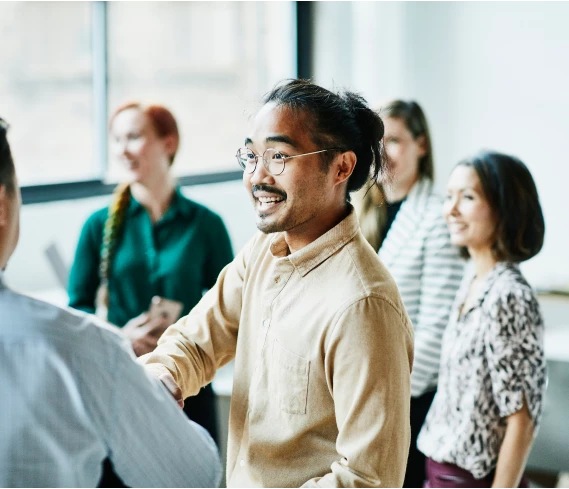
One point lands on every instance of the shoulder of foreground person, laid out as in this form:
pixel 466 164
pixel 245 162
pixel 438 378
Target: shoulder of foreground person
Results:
pixel 149 439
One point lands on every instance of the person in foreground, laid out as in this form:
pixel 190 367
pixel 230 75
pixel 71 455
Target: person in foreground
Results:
pixel 485 415
pixel 322 344
pixel 68 384
pixel 404 223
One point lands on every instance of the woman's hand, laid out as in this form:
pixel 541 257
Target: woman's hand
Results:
pixel 144 332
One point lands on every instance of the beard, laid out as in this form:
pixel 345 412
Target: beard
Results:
pixel 268 227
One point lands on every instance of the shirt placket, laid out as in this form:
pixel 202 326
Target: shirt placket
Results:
pixel 278 278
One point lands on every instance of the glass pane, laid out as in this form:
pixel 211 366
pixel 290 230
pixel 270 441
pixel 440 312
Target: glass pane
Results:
pixel 46 89
pixel 208 62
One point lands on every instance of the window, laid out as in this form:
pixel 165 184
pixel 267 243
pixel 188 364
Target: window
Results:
pixel 208 62
pixel 46 89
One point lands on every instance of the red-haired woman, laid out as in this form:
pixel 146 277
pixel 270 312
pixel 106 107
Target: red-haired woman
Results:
pixel 151 241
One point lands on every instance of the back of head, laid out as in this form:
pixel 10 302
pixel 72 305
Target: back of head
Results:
pixel 7 170
pixel 340 120
pixel 412 115
pixel 511 193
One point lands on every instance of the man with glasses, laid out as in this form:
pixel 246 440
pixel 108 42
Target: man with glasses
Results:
pixel 322 344
pixel 67 390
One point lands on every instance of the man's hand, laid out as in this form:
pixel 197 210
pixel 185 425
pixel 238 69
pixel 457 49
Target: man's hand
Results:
pixel 173 388
pixel 144 332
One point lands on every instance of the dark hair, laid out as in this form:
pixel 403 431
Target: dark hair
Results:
pixel 510 191
pixel 341 120
pixel 7 170
pixel 412 115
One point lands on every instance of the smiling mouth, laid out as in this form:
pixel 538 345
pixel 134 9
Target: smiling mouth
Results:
pixel 457 228
pixel 266 203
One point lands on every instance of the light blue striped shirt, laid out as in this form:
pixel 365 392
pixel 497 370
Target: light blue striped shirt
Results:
pixel 71 395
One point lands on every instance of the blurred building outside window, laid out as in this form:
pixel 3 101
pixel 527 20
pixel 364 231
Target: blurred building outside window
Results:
pixel 208 62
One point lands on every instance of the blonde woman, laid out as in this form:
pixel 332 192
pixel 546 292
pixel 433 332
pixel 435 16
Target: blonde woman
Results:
pixel 402 220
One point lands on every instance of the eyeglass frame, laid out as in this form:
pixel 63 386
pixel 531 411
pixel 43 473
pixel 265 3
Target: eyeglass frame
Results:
pixel 266 163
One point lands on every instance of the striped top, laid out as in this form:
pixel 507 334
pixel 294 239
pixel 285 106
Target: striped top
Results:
pixel 427 270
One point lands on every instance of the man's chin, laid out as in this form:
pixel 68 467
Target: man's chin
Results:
pixel 268 226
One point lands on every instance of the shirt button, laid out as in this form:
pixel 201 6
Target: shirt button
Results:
pixel 277 280
pixel 266 323
pixel 242 463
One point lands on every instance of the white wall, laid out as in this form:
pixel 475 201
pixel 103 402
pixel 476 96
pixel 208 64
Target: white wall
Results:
pixel 61 222
pixel 489 75
pixel 492 75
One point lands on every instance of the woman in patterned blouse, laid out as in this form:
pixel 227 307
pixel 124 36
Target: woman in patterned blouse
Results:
pixel 486 412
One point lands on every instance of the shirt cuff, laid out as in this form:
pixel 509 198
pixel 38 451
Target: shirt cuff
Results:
pixel 154 369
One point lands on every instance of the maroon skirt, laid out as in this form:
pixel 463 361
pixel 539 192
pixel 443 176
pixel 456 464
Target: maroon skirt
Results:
pixel 449 475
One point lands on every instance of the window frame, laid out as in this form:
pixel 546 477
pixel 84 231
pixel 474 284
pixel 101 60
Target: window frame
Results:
pixel 37 194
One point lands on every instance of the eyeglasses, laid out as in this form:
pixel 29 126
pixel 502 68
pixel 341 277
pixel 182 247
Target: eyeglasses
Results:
pixel 273 160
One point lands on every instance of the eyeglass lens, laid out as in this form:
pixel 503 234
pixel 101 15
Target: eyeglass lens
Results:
pixel 273 160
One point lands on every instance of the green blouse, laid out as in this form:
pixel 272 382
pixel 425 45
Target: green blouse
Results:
pixel 178 257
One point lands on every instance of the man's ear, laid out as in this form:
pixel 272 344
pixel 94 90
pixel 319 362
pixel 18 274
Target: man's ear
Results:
pixel 344 166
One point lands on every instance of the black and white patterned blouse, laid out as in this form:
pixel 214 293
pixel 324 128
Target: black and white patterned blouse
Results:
pixel 491 357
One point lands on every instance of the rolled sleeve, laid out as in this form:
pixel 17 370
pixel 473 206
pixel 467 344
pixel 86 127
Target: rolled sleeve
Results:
pixel 514 343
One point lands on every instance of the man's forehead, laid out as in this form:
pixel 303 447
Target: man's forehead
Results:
pixel 279 123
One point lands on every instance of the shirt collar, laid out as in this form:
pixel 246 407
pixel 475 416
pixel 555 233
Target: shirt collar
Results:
pixel 491 278
pixel 321 249
pixel 180 205
pixel 494 274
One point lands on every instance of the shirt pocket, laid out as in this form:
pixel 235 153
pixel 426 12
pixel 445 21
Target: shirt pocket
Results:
pixel 292 373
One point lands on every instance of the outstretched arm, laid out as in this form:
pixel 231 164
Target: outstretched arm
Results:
pixel 194 348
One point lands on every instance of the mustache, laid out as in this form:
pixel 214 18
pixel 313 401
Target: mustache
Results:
pixel 268 188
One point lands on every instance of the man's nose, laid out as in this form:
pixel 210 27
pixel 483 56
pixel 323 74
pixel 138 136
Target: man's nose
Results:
pixel 260 175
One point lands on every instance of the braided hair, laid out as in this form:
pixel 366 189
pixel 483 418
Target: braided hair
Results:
pixel 113 226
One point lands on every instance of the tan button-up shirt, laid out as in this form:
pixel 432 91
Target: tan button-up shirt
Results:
pixel 323 351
